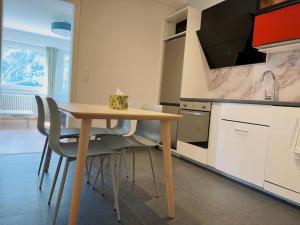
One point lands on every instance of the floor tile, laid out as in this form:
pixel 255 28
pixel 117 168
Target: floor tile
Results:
pixel 25 219
pixel 201 197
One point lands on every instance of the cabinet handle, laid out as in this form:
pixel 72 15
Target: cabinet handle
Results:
pixel 192 113
pixel 295 136
pixel 241 132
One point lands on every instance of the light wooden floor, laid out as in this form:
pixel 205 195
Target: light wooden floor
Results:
pixel 16 137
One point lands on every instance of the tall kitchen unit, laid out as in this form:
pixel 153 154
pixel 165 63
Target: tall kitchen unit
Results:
pixel 180 58
pixel 171 81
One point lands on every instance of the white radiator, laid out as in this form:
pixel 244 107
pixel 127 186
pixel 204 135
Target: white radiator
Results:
pixel 17 102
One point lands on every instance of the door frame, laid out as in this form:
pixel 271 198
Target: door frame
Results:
pixel 75 49
pixel 75 46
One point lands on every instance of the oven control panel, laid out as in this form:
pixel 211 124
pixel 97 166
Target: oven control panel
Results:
pixel 192 105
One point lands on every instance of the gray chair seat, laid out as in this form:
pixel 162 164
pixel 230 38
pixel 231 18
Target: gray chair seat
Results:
pixel 95 148
pixel 122 128
pixel 134 141
pixel 105 131
pixel 68 132
pixel 75 132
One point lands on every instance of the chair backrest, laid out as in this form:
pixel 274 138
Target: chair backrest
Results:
pixel 41 115
pixel 55 127
pixel 124 126
pixel 149 129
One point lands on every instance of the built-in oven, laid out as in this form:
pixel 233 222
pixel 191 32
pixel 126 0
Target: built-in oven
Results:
pixel 193 128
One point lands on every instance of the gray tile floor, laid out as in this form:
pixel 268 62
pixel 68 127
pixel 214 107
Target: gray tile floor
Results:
pixel 16 137
pixel 201 197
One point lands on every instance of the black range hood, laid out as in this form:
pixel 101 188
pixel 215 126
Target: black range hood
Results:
pixel 226 34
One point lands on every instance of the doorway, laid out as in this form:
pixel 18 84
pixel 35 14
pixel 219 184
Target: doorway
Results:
pixel 36 60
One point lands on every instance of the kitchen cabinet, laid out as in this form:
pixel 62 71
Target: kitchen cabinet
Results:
pixel 246 113
pixel 277 28
pixel 252 143
pixel 213 133
pixel 282 165
pixel 242 141
pixel 195 153
pixel 242 150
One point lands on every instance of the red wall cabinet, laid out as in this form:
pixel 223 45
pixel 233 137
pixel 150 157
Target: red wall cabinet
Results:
pixel 277 26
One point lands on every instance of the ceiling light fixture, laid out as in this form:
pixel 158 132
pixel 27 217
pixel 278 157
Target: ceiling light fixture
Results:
pixel 61 28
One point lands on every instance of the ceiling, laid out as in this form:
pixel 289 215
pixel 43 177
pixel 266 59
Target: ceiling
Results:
pixel 36 16
pixel 178 4
pixel 175 3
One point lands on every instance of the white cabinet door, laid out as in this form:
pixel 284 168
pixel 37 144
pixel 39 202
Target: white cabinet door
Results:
pixel 282 167
pixel 242 150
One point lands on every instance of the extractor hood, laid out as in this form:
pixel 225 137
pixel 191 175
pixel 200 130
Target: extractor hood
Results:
pixel 226 34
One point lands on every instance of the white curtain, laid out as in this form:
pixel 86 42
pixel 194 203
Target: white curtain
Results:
pixel 51 66
pixel 1 55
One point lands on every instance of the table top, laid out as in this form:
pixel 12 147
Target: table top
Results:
pixel 88 111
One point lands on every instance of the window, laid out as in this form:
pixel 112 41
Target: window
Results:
pixel 66 73
pixel 24 67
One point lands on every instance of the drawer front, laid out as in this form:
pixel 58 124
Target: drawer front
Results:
pixel 283 166
pixel 242 151
pixel 248 113
pixel 277 26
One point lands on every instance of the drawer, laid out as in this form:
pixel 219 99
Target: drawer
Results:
pixel 277 26
pixel 242 150
pixel 282 165
pixel 247 113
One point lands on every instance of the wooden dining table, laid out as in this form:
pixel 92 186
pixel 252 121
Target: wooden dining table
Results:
pixel 86 113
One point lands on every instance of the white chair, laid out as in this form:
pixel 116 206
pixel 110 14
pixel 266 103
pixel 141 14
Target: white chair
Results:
pixel 69 152
pixel 146 136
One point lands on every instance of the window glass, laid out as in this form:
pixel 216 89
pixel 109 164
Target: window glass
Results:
pixel 66 74
pixel 24 67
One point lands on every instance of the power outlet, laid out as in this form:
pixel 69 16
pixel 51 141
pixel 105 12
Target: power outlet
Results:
pixel 85 75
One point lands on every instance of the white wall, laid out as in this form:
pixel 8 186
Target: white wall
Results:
pixel 120 46
pixel 195 83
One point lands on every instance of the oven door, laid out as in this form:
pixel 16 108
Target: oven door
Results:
pixel 194 127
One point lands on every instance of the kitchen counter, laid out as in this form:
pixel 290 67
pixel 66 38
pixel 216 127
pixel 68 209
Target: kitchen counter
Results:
pixel 241 101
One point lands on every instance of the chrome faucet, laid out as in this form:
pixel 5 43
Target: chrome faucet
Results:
pixel 272 97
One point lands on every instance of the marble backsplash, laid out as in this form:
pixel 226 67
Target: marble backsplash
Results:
pixel 244 82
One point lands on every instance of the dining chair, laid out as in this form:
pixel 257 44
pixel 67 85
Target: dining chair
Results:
pixel 69 152
pixel 64 132
pixel 146 136
pixel 122 127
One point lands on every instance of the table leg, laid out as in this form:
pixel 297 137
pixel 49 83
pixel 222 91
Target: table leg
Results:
pixel 79 172
pixel 166 141
pixel 108 123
